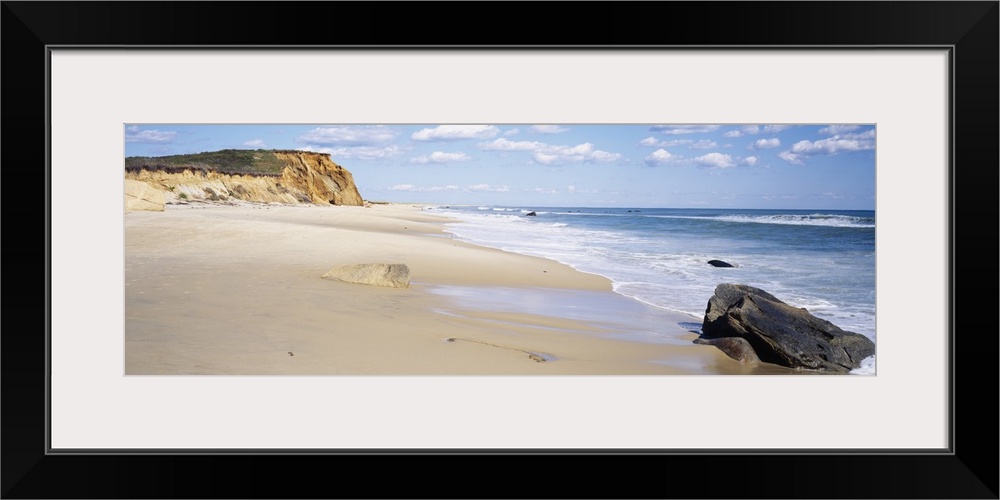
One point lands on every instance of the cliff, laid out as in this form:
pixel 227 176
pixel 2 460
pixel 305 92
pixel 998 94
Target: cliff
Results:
pixel 263 176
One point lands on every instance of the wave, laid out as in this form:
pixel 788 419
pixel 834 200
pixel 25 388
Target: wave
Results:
pixel 668 270
pixel 830 220
pixel 816 219
pixel 867 367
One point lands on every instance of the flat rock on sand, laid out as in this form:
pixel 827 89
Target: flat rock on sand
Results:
pixel 386 275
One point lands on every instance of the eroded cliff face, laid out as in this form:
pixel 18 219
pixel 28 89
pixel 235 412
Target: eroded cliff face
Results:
pixel 320 178
pixel 307 178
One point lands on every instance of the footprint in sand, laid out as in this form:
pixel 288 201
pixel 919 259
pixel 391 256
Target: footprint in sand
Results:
pixel 538 358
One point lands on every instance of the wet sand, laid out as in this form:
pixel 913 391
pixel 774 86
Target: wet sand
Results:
pixel 236 290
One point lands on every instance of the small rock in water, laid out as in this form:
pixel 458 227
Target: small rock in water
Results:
pixel 719 263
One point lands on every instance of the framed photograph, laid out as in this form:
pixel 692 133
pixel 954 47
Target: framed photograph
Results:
pixel 910 112
pixel 499 250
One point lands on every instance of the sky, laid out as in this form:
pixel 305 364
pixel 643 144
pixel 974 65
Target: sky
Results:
pixel 829 166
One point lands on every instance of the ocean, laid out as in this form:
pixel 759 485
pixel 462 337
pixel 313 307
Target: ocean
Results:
pixel 822 260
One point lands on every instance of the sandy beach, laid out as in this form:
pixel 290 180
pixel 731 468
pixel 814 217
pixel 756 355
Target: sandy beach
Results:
pixel 236 290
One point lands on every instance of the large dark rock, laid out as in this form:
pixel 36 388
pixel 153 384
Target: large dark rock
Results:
pixel 719 263
pixel 531 214
pixel 782 334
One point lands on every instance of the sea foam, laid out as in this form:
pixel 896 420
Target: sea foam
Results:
pixel 822 262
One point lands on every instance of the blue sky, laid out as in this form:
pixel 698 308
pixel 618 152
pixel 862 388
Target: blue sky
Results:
pixel 671 166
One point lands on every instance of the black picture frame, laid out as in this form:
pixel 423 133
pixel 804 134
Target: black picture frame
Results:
pixel 968 469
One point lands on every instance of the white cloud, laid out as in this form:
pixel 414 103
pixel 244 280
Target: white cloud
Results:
pixel 256 143
pixel 866 135
pixel 511 132
pixel 415 189
pixel 135 134
pixel 791 158
pixel 766 129
pixel 488 188
pixel 571 189
pixel 603 156
pixel 683 129
pixel 359 152
pixel 773 129
pixel 766 143
pixel 449 188
pixel 455 132
pixel 704 144
pixel 544 158
pixel 548 129
pixel 863 141
pixel 652 141
pixel 552 155
pixel 838 129
pixel 715 160
pixel 660 157
pixel 833 145
pixel 441 157
pixel 549 154
pixel 755 129
pixel 750 160
pixel 348 136
pixel 502 144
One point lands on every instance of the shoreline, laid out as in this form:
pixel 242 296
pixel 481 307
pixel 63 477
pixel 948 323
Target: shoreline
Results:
pixel 236 290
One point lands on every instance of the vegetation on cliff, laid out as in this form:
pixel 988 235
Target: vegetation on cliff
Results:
pixel 227 161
